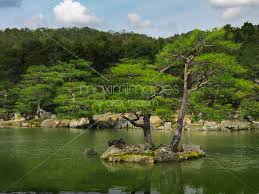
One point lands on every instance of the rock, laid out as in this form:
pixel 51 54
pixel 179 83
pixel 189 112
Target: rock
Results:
pixel 138 154
pixel 81 123
pixel 160 128
pixel 119 143
pixel 130 154
pixel 53 116
pixel 35 122
pixel 50 123
pixel 108 120
pixel 12 123
pixel 25 125
pixel 168 126
pixel 195 127
pixel 211 126
pixel 44 114
pixel 255 125
pixel 235 125
pixel 18 118
pixel 165 154
pixel 123 124
pixel 187 120
pixel 90 152
pixel 156 121
pixel 64 124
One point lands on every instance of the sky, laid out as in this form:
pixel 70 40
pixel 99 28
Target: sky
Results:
pixel 157 18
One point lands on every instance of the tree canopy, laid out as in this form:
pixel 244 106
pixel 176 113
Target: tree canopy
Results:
pixel 51 68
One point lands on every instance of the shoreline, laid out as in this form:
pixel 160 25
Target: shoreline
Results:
pixel 113 121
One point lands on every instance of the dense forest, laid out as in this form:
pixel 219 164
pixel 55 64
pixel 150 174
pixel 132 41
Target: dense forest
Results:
pixel 65 71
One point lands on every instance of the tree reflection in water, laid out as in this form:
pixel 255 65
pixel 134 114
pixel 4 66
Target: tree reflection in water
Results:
pixel 161 178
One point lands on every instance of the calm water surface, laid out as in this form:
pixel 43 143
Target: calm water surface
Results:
pixel 28 164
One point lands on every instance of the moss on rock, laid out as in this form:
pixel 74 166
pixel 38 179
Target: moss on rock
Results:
pixel 138 154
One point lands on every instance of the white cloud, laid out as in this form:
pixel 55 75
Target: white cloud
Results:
pixel 35 21
pixel 137 22
pixel 72 12
pixel 233 9
pixel 231 13
pixel 233 3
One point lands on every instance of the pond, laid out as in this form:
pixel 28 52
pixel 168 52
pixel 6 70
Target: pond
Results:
pixel 53 160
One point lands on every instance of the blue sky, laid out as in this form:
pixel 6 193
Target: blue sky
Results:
pixel 152 17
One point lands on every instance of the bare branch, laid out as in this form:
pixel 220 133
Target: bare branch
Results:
pixel 200 85
pixel 133 121
pixel 165 69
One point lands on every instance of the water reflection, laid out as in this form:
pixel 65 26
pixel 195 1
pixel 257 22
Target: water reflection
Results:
pixel 70 171
pixel 160 178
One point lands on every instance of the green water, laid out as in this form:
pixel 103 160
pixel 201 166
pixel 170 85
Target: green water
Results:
pixel 28 162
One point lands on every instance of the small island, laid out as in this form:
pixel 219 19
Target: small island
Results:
pixel 160 154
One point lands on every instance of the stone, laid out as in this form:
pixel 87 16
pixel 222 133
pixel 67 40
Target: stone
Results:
pixel 211 126
pixel 195 127
pixel 81 123
pixel 18 118
pixel 165 154
pixel 129 154
pixel 138 154
pixel 16 123
pixel 50 123
pixel 160 128
pixel 107 120
pixel 156 121
pixel 235 125
pixel 117 143
pixel 25 125
pixel 168 126
pixel 123 124
pixel 64 124
pixel 187 120
pixel 90 152
pixel 44 114
pixel 53 116
pixel 255 125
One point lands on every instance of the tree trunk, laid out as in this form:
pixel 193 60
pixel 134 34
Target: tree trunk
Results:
pixel 145 126
pixel 180 121
pixel 147 130
pixel 38 109
pixel 93 124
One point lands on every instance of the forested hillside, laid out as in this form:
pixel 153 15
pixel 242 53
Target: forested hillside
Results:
pixel 49 68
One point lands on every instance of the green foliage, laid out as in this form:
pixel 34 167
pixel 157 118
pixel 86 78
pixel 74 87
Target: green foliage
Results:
pixel 3 113
pixel 139 87
pixel 32 73
pixel 20 49
pixel 31 96
pixel 215 65
pixel 248 29
pixel 249 58
pixel 76 100
pixel 250 108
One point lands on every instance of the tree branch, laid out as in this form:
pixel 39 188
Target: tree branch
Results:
pixel 133 121
pixel 165 69
pixel 200 85
pixel 156 94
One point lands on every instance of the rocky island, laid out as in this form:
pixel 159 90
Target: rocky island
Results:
pixel 160 154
